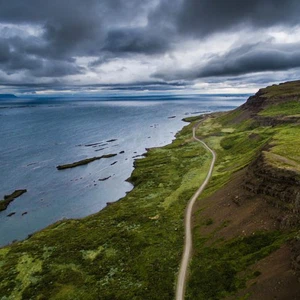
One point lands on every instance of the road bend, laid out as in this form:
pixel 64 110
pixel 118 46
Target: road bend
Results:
pixel 188 243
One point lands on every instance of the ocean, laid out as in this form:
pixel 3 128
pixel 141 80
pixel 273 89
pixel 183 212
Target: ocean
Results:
pixel 37 134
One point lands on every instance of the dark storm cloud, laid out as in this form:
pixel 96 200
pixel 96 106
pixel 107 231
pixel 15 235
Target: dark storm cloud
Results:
pixel 63 30
pixel 204 17
pixel 74 28
pixel 15 58
pixel 135 41
pixel 250 58
pixel 253 58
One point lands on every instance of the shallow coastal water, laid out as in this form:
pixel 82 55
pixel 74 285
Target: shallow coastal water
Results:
pixel 36 135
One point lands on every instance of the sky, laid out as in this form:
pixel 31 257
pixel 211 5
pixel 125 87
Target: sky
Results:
pixel 144 46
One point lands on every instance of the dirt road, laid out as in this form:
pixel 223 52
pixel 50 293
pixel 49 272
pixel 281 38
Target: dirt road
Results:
pixel 182 276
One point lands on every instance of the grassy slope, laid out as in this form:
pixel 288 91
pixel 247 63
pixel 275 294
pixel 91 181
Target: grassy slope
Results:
pixel 130 250
pixel 220 267
pixel 288 89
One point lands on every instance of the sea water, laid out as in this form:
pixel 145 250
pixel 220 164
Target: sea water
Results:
pixel 38 134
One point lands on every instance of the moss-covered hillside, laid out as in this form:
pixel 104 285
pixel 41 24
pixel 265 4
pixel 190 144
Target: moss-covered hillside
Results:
pixel 246 234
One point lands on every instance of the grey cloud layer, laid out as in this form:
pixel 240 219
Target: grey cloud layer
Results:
pixel 110 29
pixel 249 58
pixel 203 17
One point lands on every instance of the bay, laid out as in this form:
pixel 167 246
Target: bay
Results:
pixel 37 134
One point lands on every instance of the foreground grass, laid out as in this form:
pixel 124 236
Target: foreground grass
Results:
pixel 130 250
pixel 219 269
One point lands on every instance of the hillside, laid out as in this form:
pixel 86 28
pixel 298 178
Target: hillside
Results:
pixel 246 223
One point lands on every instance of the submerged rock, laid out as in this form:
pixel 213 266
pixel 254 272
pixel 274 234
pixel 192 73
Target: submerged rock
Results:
pixel 103 179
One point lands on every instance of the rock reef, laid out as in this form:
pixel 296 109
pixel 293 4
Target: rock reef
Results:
pixel 9 198
pixel 84 162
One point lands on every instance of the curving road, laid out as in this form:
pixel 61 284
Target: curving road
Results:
pixel 182 276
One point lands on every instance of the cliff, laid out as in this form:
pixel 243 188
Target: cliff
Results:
pixel 247 225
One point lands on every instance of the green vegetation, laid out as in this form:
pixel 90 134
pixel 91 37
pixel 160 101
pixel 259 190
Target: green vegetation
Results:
pixel 286 90
pixel 208 221
pixel 217 268
pixel 83 162
pixel 129 250
pixel 9 198
pixel 193 118
pixel 236 146
pixel 286 143
pixel 132 248
pixel 282 109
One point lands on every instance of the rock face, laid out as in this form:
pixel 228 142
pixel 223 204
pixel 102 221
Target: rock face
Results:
pixel 277 177
pixel 282 186
pixel 274 94
pixel 255 103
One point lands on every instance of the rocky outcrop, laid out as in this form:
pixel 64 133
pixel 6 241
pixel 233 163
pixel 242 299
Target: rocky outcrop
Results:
pixel 281 186
pixel 255 103
pixel 270 96
pixel 9 198
pixel 83 162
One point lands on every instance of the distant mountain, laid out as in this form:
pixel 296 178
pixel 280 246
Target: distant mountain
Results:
pixel 7 96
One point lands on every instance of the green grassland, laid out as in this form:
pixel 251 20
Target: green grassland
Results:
pixel 130 250
pixel 289 108
pixel 288 89
pixel 218 270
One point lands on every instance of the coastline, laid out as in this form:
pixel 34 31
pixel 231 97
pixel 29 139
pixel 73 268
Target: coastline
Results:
pixel 72 193
pixel 245 225
pixel 147 221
